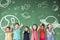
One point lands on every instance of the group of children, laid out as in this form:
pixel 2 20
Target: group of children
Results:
pixel 46 33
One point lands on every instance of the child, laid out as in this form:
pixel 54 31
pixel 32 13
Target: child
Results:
pixel 16 31
pixel 34 35
pixel 8 33
pixel 50 32
pixel 42 32
pixel 26 33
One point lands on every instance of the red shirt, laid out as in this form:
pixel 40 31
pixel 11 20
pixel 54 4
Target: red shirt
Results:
pixel 42 33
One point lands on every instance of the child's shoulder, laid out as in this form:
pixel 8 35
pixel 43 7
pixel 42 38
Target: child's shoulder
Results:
pixel 8 32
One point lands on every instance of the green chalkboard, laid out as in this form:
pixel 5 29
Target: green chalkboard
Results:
pixel 29 12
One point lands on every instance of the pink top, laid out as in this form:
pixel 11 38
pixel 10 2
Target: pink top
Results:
pixel 34 35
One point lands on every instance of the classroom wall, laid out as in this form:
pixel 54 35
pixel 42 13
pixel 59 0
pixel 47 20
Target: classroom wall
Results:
pixel 29 12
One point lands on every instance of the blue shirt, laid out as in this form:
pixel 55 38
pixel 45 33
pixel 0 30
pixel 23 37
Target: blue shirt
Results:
pixel 16 33
pixel 50 36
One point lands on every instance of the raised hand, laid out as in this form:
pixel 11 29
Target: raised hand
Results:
pixel 30 28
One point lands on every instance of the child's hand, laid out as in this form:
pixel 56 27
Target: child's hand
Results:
pixel 23 32
pixel 21 24
pixel 38 28
pixel 40 24
pixel 53 31
pixel 12 26
pixel 30 27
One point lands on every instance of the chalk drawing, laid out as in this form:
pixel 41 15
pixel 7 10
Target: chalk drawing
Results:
pixel 13 2
pixel 4 5
pixel 55 7
pixel 12 20
pixel 55 23
pixel 43 4
pixel 54 1
pixel 25 7
pixel 25 15
pixel 16 8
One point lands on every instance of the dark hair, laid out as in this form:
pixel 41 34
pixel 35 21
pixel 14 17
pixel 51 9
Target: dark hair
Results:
pixel 48 25
pixel 36 26
pixel 26 27
pixel 8 28
pixel 17 23
pixel 43 25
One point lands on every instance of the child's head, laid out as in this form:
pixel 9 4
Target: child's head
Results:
pixel 26 28
pixel 17 25
pixel 34 27
pixel 42 26
pixel 49 26
pixel 8 29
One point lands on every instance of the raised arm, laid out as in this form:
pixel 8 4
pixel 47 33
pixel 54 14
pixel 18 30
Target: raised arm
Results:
pixel 48 32
pixel 31 28
pixel 11 27
pixel 21 25
pixel 23 32
pixel 38 28
pixel 53 31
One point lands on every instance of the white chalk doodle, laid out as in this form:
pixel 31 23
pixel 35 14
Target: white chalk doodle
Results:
pixel 55 7
pixel 12 20
pixel 39 5
pixel 9 8
pixel 16 8
pixel 4 5
pixel 55 23
pixel 25 15
pixel 40 17
pixel 54 1
pixel 16 13
pixel 13 2
pixel 32 11
pixel 3 13
pixel 43 4
pixel 25 7
pixel 59 15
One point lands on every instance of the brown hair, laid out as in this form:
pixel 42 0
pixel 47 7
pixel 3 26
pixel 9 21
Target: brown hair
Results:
pixel 36 26
pixel 43 25
pixel 17 23
pixel 26 27
pixel 8 28
pixel 48 25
